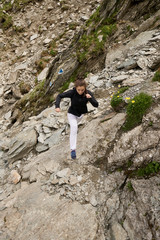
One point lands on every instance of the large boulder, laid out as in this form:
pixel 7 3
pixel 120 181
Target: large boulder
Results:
pixel 20 145
pixel 36 215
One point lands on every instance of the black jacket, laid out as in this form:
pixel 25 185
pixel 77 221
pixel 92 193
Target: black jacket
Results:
pixel 78 102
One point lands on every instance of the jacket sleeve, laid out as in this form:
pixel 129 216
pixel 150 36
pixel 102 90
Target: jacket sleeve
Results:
pixel 67 94
pixel 92 100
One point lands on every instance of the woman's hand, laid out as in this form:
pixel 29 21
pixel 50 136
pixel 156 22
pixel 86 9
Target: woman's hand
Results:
pixel 88 95
pixel 57 109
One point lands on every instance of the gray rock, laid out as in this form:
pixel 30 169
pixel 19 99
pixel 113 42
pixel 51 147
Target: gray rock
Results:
pixel 142 63
pixel 2 45
pixel 8 115
pixel 50 122
pixel 46 130
pixel 13 76
pixel 118 232
pixel 22 66
pixel 136 224
pixel 41 137
pixel 14 177
pixel 1 91
pixel 41 147
pixel 104 130
pixel 66 172
pixel 54 138
pixel 130 143
pixel 132 81
pixel 16 92
pixel 73 221
pixel 119 79
pixel 93 201
pixel 84 18
pixel 129 64
pixel 33 37
pixel 155 63
pixel 42 76
pixel 21 144
pixel 1 102
pixel 47 41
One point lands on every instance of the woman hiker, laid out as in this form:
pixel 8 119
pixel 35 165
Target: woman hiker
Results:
pixel 79 96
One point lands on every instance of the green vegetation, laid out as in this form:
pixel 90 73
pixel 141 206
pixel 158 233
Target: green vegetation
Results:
pixel 92 45
pixel 146 16
pixel 16 5
pixel 5 20
pixel 117 101
pixel 95 17
pixel 129 186
pixel 37 92
pixel 24 87
pixel 96 32
pixel 52 48
pixel 34 101
pixel 73 26
pixel 148 170
pixel 53 53
pixel 41 64
pixel 129 30
pixel 136 108
pixel 144 171
pixel 156 77
pixel 151 168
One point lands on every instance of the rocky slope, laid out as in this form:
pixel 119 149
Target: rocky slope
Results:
pixel 40 30
pixel 112 190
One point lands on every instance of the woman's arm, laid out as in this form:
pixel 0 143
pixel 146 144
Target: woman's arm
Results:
pixel 91 99
pixel 67 94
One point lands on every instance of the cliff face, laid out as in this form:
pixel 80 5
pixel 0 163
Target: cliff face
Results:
pixel 112 190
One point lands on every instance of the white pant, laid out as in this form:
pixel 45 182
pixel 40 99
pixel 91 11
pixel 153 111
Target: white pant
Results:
pixel 73 121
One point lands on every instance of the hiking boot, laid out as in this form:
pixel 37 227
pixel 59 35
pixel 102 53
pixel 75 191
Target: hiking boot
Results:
pixel 73 154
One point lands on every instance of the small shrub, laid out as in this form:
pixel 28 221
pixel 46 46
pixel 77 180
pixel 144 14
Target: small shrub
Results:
pixel 129 186
pixel 37 92
pixel 24 87
pixel 117 101
pixel 95 17
pixel 123 89
pixel 44 53
pixel 136 108
pixel 53 53
pixel 156 77
pixel 150 169
pixel 5 20
pixel 107 30
pixel 36 81
pixel 73 26
pixel 41 64
pixel 51 99
pixel 65 7
pixel 52 44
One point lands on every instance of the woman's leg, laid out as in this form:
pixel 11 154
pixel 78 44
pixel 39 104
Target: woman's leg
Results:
pixel 73 130
pixel 73 121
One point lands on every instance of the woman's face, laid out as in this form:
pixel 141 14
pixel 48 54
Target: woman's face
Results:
pixel 80 90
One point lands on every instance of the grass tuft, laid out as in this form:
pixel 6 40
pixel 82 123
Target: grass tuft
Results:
pixel 136 108
pixel 156 77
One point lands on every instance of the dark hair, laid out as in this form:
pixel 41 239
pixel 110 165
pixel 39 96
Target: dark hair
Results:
pixel 81 83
